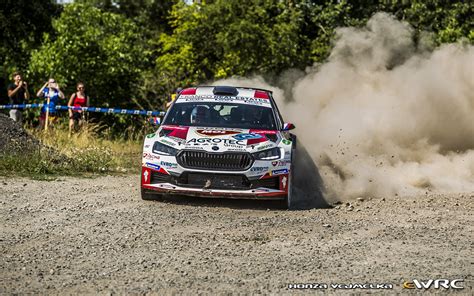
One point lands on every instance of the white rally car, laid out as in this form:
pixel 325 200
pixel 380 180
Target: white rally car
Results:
pixel 220 141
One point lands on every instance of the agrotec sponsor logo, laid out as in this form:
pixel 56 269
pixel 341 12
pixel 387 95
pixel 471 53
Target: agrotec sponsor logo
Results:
pixel 436 284
pixel 215 141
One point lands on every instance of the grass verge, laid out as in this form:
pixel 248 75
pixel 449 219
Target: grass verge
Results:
pixel 82 154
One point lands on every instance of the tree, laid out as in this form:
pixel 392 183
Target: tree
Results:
pixel 225 38
pixel 22 24
pixel 105 50
pixel 150 14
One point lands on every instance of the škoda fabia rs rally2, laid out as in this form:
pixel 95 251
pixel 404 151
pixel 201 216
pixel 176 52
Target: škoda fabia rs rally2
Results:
pixel 220 141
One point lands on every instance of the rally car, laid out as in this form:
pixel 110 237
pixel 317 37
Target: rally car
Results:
pixel 220 141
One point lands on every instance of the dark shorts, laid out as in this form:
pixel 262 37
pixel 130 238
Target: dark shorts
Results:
pixel 76 116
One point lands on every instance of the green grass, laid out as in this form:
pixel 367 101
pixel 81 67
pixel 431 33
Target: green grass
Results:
pixel 82 154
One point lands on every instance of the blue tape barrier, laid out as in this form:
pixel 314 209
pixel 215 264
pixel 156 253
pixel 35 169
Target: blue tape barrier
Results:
pixel 87 109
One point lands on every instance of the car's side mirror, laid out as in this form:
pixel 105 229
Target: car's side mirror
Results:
pixel 288 126
pixel 155 120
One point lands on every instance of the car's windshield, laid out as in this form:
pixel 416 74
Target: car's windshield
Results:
pixel 210 114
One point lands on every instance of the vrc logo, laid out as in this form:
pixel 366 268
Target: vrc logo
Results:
pixel 438 283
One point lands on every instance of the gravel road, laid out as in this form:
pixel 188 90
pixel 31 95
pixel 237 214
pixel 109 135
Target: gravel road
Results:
pixel 96 236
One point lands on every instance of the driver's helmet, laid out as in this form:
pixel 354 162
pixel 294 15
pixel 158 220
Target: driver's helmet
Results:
pixel 200 114
pixel 250 113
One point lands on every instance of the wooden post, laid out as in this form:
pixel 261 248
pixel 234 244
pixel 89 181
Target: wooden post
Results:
pixel 47 115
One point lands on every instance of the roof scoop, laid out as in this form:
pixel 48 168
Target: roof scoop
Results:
pixel 225 90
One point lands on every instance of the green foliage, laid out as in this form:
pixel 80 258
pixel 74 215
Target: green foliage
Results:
pixel 133 53
pixel 105 50
pixel 152 14
pixel 233 37
pixel 22 23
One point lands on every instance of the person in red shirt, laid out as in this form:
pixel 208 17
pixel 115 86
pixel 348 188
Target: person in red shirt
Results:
pixel 78 99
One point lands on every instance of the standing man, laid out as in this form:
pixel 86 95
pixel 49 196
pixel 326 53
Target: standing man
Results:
pixel 52 93
pixel 18 93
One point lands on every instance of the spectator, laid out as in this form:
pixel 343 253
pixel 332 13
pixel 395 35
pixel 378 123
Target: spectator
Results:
pixel 18 93
pixel 78 99
pixel 52 93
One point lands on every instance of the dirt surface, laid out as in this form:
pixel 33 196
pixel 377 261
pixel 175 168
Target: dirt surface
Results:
pixel 93 236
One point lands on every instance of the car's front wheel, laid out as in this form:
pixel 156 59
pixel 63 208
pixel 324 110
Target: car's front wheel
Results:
pixel 291 198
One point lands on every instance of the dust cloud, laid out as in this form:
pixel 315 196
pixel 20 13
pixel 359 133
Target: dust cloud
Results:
pixel 385 115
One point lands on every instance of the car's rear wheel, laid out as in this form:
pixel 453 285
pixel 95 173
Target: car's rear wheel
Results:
pixel 150 195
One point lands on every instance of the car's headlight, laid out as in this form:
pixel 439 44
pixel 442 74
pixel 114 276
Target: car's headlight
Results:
pixel 270 154
pixel 164 149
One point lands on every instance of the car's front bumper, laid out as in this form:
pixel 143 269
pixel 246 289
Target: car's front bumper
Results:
pixel 258 193
pixel 159 181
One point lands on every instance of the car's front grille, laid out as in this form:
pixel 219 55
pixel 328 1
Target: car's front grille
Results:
pixel 215 161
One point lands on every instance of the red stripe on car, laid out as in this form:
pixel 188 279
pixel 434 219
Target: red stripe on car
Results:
pixel 261 94
pixel 188 91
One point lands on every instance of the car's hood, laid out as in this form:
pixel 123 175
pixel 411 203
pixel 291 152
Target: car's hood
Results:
pixel 219 139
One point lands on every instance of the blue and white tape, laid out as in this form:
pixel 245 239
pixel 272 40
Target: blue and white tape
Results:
pixel 87 109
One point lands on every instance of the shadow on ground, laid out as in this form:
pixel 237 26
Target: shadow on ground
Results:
pixel 307 182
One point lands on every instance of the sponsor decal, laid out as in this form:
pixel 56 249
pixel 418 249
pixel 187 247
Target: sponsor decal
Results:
pixel 279 172
pixel 239 149
pixel 191 98
pixel 434 283
pixel 150 135
pixel 147 146
pixel 170 165
pixel 265 147
pixel 241 137
pixel 286 142
pixel 280 163
pixel 179 140
pixel 166 142
pixel 215 148
pixel 167 186
pixel 245 100
pixel 216 132
pixel 194 147
pixel 215 141
pixel 283 182
pixel 150 156
pixel 152 165
pixel 145 175
pixel 259 169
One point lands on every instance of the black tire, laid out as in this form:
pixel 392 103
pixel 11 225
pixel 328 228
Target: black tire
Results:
pixel 306 183
pixel 150 195
pixel 290 198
